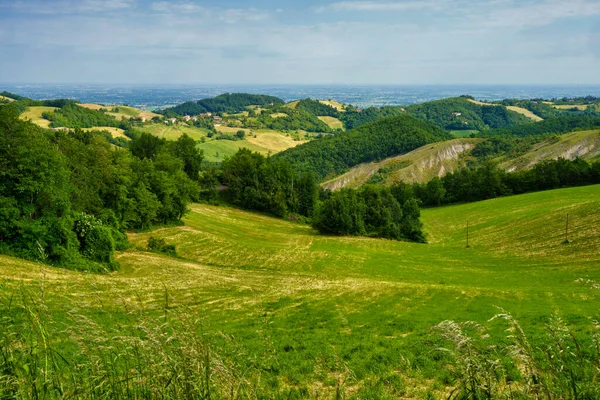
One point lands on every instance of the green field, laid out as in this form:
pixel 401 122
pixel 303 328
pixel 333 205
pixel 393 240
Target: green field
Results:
pixel 266 142
pixel 289 313
pixel 463 133
pixel 173 132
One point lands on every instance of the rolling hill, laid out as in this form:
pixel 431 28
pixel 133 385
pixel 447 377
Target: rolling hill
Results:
pixel 373 141
pixel 458 113
pixel 279 311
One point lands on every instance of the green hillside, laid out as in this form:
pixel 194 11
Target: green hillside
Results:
pixel 373 141
pixel 267 308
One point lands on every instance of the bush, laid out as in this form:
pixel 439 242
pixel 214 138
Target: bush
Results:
pixel 160 246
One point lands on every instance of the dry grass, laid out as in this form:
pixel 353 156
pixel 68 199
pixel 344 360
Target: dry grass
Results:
pixel 580 107
pixel 525 112
pixel 332 122
pixel 335 104
pixel 230 129
pixel 34 114
pixel 519 110
pixel 3 98
pixel 273 141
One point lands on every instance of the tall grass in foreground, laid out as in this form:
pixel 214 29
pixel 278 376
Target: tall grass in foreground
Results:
pixel 168 355
pixel 561 369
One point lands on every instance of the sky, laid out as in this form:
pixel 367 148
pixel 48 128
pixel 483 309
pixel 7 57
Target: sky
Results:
pixel 300 41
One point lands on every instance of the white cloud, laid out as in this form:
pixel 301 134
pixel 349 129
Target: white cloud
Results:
pixel 385 5
pixel 530 14
pixel 70 6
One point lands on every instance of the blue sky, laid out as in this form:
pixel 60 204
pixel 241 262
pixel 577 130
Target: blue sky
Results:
pixel 300 41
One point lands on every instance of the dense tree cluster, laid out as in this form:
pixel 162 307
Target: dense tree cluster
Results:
pixel 487 181
pixel 226 103
pixel 317 108
pixel 511 146
pixel 353 118
pixel 67 197
pixel 374 141
pixel 268 184
pixel 459 113
pixel 374 211
pixel 294 119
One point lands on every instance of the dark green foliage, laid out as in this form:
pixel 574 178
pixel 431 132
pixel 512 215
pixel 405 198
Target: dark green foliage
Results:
pixel 209 185
pixel 372 211
pixel 185 149
pixel 370 142
pixel 160 246
pixel 353 118
pixel 12 95
pixel 459 113
pixel 510 146
pixel 227 103
pixel 66 198
pixel 295 119
pixel 317 108
pixel 34 193
pixel 266 184
pixel 146 145
pixel 487 181
pixel 74 116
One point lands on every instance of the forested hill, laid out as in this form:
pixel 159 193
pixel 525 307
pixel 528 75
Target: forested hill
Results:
pixel 228 102
pixel 373 141
pixel 458 113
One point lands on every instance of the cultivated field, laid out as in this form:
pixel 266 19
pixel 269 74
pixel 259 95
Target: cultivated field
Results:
pixel 516 109
pixel 265 308
pixel 332 122
pixel 173 132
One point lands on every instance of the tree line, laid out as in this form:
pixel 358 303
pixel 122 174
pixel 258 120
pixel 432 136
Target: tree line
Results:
pixel 487 181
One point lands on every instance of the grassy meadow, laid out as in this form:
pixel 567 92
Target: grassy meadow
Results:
pixel 332 122
pixel 264 308
pixel 173 132
pixel 34 114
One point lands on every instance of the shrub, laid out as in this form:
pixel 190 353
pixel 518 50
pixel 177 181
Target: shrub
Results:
pixel 160 246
